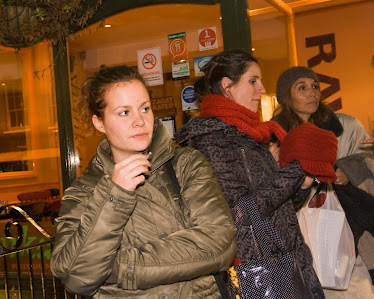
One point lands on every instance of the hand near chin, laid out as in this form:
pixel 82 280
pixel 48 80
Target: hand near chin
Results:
pixel 131 171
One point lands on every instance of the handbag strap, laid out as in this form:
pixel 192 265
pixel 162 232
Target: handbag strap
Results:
pixel 260 228
pixel 217 276
pixel 172 175
pixel 320 186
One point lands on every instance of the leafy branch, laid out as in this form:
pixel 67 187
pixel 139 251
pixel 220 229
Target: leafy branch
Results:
pixel 26 22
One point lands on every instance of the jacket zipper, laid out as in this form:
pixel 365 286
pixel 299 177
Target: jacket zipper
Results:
pixel 158 166
pixel 246 166
pixel 259 250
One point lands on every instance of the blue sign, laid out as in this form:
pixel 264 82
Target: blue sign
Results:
pixel 189 99
pixel 188 94
pixel 199 62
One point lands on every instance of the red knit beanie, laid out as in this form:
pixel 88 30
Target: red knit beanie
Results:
pixel 314 148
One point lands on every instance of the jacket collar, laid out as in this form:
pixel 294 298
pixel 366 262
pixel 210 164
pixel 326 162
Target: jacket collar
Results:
pixel 332 124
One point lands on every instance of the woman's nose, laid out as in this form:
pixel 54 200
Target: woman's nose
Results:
pixel 314 92
pixel 261 89
pixel 138 120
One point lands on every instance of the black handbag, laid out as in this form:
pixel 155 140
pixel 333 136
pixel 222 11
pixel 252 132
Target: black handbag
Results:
pixel 268 276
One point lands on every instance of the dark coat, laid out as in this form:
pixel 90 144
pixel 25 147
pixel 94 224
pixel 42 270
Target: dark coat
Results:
pixel 358 206
pixel 276 191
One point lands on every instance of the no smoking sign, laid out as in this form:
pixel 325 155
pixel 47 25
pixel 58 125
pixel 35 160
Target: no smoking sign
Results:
pixel 150 65
pixel 149 61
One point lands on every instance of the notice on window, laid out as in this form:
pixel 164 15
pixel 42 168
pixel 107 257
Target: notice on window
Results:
pixel 150 66
pixel 177 47
pixel 207 38
pixel 199 62
pixel 163 106
pixel 181 70
pixel 189 99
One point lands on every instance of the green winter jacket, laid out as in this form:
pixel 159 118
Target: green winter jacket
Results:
pixel 112 243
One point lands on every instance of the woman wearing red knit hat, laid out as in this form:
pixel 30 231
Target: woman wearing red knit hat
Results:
pixel 234 140
pixel 298 93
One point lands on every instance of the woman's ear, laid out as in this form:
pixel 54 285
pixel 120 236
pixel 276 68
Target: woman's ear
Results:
pixel 225 85
pixel 98 123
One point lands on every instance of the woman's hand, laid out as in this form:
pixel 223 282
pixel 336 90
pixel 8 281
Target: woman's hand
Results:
pixel 341 178
pixel 274 149
pixel 131 171
pixel 308 181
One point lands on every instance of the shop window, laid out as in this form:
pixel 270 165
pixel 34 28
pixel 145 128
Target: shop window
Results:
pixel 168 43
pixel 29 153
pixel 13 124
pixel 11 96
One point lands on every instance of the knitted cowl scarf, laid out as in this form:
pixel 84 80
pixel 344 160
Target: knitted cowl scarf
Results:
pixel 245 120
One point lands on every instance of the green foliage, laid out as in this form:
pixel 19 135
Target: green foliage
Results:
pixel 26 22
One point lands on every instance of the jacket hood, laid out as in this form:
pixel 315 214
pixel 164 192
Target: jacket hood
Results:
pixel 200 126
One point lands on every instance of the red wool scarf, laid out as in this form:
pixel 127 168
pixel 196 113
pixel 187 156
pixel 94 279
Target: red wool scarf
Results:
pixel 242 118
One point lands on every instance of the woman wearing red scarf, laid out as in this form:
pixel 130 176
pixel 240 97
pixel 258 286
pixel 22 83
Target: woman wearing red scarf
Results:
pixel 231 136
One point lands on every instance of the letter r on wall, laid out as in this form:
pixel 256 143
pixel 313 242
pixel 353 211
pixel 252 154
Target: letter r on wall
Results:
pixel 321 41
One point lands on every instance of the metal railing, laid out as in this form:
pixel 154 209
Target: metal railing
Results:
pixel 24 262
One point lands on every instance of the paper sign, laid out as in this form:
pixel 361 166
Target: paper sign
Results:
pixel 181 70
pixel 150 66
pixel 177 47
pixel 207 38
pixel 199 62
pixel 163 106
pixel 189 100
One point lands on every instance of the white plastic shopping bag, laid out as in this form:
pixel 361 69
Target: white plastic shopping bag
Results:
pixel 327 233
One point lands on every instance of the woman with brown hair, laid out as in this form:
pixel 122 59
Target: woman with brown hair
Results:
pixel 299 105
pixel 234 140
pixel 299 96
pixel 125 230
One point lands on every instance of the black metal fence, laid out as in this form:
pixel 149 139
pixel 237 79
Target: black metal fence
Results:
pixel 25 251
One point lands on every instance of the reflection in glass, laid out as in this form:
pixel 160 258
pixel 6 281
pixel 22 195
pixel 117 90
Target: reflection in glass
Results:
pixel 29 149
pixel 14 126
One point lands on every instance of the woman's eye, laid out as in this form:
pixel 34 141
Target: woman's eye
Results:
pixel 124 113
pixel 146 109
pixel 316 86
pixel 252 82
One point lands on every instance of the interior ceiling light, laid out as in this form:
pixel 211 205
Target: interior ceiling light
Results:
pixel 107 25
